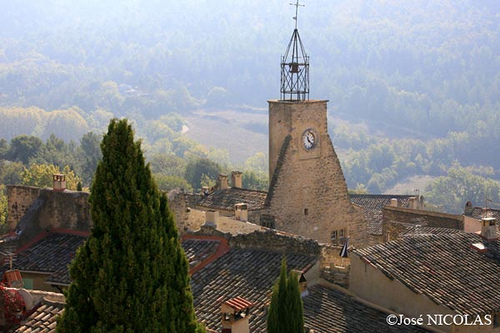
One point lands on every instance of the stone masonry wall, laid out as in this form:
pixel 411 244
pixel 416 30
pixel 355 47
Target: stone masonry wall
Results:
pixel 330 265
pixel 269 240
pixel 20 199
pixel 308 194
pixel 394 219
pixel 33 210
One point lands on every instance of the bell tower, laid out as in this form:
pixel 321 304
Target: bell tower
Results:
pixel 307 194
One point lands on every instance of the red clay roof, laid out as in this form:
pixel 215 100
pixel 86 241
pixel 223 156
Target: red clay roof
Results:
pixel 238 303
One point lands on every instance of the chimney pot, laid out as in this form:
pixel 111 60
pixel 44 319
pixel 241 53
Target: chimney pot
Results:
pixel 488 228
pixel 241 212
pixel 59 182
pixel 222 182
pixel 211 217
pixel 414 203
pixel 236 179
pixel 235 315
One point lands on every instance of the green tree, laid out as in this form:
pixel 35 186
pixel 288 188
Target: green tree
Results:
pixel 459 186
pixel 3 206
pixel 131 275
pixel 40 175
pixel 11 172
pixel 286 313
pixel 23 147
pixel 167 183
pixel 255 181
pixel 168 164
pixel 55 151
pixel 90 155
pixel 198 167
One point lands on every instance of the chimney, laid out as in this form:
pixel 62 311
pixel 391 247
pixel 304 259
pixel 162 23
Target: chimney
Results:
pixel 211 217
pixel 235 315
pixel 204 191
pixel 488 228
pixel 222 182
pixel 59 182
pixel 394 202
pixel 236 179
pixel 414 203
pixel 241 212
pixel 12 278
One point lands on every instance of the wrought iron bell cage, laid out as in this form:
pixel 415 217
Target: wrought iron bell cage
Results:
pixel 295 71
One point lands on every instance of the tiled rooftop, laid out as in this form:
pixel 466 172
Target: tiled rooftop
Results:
pixel 51 254
pixel 328 310
pixel 198 250
pixel 240 272
pixel 43 320
pixel 413 230
pixel 480 212
pixel 373 205
pixel 444 267
pixel 226 199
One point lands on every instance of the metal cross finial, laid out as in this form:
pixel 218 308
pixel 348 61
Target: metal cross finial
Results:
pixel 297 5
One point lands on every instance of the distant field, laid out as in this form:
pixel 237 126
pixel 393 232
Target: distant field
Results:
pixel 409 185
pixel 242 133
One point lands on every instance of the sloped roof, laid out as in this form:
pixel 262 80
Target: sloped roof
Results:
pixel 226 199
pixel 198 250
pixel 413 230
pixel 329 310
pixel 444 267
pixel 43 319
pixel 480 212
pixel 51 254
pixel 373 205
pixel 240 273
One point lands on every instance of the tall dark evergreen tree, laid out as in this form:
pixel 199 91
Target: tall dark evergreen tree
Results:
pixel 131 275
pixel 286 311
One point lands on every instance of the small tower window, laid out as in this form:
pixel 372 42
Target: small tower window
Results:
pixel 306 211
pixel 334 236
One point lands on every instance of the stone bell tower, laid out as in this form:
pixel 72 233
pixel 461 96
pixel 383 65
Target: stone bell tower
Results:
pixel 307 194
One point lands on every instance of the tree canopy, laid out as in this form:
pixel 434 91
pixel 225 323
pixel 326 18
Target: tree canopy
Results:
pixel 131 275
pixel 286 312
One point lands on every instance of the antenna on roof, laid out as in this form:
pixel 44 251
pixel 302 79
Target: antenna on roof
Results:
pixel 8 253
pixel 486 209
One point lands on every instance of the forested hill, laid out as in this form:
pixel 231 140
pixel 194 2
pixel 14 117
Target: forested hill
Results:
pixel 429 65
pixel 424 72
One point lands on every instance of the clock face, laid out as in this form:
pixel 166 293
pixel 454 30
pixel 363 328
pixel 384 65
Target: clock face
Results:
pixel 309 139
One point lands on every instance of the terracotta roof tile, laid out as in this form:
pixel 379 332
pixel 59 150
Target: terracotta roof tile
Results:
pixel 443 267
pixel 226 199
pixel 413 230
pixel 198 250
pixel 51 254
pixel 480 212
pixel 373 204
pixel 329 310
pixel 240 273
pixel 43 319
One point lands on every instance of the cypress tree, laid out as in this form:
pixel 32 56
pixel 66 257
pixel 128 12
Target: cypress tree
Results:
pixel 286 314
pixel 131 275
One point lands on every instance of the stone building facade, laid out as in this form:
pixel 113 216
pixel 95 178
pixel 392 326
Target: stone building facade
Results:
pixel 308 194
pixel 33 210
